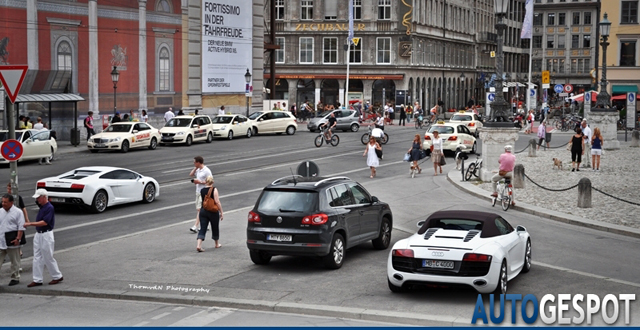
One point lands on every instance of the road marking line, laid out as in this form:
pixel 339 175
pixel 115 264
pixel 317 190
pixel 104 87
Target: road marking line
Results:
pixel 159 316
pixel 178 308
pixel 600 277
pixel 289 164
pixel 142 324
pixel 203 318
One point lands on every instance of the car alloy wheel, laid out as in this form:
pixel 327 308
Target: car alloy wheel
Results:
pixel 355 127
pixel 474 148
pixel 209 137
pixel 230 135
pixel 100 201
pixel 383 240
pixel 53 153
pixel 527 258
pixel 149 193
pixel 125 146
pixel 501 288
pixel 153 144
pixel 291 130
pixel 189 140
pixel 334 259
pixel 249 133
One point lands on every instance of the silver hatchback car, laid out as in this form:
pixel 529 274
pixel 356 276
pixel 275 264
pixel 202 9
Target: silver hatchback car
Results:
pixel 346 120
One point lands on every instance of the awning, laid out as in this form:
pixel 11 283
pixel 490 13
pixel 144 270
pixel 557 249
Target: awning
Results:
pixel 65 97
pixel 619 89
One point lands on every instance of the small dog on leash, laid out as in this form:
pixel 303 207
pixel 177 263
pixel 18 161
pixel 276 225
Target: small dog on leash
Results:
pixel 557 163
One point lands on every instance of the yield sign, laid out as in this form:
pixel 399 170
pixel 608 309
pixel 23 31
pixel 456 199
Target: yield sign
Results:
pixel 12 77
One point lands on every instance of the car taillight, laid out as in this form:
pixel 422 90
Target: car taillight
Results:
pixel 452 138
pixel 253 217
pixel 41 184
pixel 475 257
pixel 77 186
pixel 402 253
pixel 427 137
pixel 472 124
pixel 315 219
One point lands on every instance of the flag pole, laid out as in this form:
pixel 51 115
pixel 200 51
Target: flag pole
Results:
pixel 526 33
pixel 349 41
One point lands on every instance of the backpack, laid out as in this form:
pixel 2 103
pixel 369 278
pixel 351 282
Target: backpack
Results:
pixel 86 121
pixel 209 203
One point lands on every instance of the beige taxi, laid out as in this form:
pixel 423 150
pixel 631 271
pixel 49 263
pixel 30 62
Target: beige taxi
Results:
pixel 469 119
pixel 187 129
pixel 123 136
pixel 276 121
pixel 228 126
pixel 452 135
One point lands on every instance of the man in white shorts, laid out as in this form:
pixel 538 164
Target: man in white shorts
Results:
pixel 200 172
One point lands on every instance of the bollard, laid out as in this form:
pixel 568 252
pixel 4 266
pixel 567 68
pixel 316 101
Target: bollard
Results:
pixel 532 148
pixel 584 193
pixel 635 139
pixel 518 176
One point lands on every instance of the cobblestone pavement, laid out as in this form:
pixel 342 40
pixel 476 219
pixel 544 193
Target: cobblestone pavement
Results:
pixel 618 176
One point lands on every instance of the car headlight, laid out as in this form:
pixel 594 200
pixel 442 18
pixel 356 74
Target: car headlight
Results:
pixel 224 127
pixel 114 140
pixel 180 133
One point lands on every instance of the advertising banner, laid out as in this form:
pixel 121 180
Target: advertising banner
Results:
pixel 227 45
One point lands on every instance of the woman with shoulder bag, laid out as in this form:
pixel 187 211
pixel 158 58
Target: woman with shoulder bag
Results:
pixel 211 212
pixel 437 153
pixel 415 152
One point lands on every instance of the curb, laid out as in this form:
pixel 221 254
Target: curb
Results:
pixel 545 213
pixel 255 305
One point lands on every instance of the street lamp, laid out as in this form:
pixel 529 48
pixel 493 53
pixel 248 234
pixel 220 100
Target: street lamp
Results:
pixel 499 106
pixel 604 100
pixel 247 78
pixel 115 75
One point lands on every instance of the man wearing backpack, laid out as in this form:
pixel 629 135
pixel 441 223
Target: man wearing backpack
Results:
pixel 88 124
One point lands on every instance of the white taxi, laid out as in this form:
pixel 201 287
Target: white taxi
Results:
pixel 452 135
pixel 123 136
pixel 36 144
pixel 469 119
pixel 273 122
pixel 228 126
pixel 187 129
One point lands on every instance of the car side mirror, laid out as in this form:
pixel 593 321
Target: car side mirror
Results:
pixel 235 123
pixel 421 223
pixel 521 229
pixel 260 119
pixel 374 199
pixel 29 140
pixel 135 131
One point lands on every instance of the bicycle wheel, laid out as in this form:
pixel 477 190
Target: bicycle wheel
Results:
pixel 557 124
pixel 318 141
pixel 335 140
pixel 506 197
pixel 418 124
pixel 470 171
pixel 385 138
pixel 365 138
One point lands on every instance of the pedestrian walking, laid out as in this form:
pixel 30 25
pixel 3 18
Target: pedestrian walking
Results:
pixel 577 149
pixel 180 112
pixel 43 241
pixel 145 117
pixel 11 227
pixel 116 118
pixel 596 149
pixel 437 152
pixel 212 217
pixel 40 126
pixel 169 114
pixel 403 116
pixel 88 125
pixel 415 152
pixel 22 208
pixel 542 131
pixel 372 157
pixel 586 131
pixel 221 111
pixel 200 173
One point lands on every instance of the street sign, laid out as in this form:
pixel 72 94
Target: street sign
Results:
pixel 546 86
pixel 356 41
pixel 12 77
pixel 563 94
pixel 532 99
pixel 493 54
pixel 545 95
pixel 587 97
pixel 545 77
pixel 568 88
pixel 487 104
pixel 631 110
pixel 11 150
pixel 558 88
pixel 491 97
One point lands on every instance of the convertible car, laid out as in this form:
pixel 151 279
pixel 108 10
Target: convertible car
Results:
pixel 460 248
pixel 98 187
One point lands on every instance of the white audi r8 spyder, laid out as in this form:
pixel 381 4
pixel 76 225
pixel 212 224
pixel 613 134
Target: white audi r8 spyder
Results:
pixel 460 248
pixel 98 187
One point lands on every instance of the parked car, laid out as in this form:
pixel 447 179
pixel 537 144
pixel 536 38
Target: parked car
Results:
pixel 469 119
pixel 36 144
pixel 125 135
pixel 316 216
pixel 345 120
pixel 273 122
pixel 228 126
pixel 187 129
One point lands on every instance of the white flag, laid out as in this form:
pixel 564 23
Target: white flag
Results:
pixel 527 25
pixel 350 21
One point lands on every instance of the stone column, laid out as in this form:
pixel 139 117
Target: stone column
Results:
pixel 142 55
pixel 493 141
pixel 93 57
pixel 32 35
pixel 293 93
pixel 367 90
pixel 606 120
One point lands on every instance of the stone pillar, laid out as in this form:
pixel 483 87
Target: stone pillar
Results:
pixel 493 141
pixel 32 35
pixel 142 55
pixel 635 139
pixel 518 176
pixel 532 147
pixel 93 57
pixel 367 90
pixel 607 121
pixel 584 193
pixel 317 83
pixel 293 93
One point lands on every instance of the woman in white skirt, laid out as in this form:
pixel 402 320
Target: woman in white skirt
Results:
pixel 436 153
pixel 372 158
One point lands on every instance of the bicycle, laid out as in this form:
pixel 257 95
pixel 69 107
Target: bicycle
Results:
pixel 474 169
pixel 322 137
pixel 419 122
pixel 505 193
pixel 365 137
pixel 565 124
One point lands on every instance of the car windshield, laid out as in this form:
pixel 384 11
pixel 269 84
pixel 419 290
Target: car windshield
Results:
pixel 222 120
pixel 455 224
pixel 462 117
pixel 255 115
pixel 326 113
pixel 118 129
pixel 178 122
pixel 79 174
pixel 4 136
pixel 441 129
pixel 273 201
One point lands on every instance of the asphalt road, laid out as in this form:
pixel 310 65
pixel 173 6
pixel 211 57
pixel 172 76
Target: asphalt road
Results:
pixel 568 259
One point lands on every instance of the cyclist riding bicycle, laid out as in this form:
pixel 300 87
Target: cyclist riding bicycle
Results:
pixel 417 112
pixel 507 162
pixel 433 111
pixel 330 124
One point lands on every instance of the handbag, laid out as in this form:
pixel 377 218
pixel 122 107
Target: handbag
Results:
pixel 423 154
pixel 406 157
pixel 502 173
pixel 11 235
pixel 431 148
pixel 569 145
pixel 442 161
pixel 209 203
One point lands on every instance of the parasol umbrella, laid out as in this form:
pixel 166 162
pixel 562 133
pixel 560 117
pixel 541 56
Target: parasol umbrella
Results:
pixel 580 97
pixel 623 97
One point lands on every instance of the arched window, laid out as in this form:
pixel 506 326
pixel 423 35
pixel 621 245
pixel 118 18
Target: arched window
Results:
pixel 164 70
pixel 163 6
pixel 63 54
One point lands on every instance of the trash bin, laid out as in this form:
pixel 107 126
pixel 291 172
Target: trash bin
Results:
pixel 547 137
pixel 75 136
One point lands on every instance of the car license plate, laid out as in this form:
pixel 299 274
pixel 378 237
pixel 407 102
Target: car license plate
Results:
pixel 56 200
pixel 279 238
pixel 167 138
pixel 99 145
pixel 437 264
